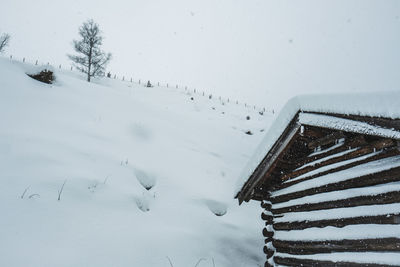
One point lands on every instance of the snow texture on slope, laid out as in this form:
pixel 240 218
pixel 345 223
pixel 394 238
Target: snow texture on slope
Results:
pixel 146 169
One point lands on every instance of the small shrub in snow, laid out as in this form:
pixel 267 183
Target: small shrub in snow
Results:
pixel 45 76
pixel 249 133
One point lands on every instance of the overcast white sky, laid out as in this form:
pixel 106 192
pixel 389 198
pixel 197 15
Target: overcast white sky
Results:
pixel 255 50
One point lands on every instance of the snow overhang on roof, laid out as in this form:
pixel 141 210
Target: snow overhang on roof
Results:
pixel 375 114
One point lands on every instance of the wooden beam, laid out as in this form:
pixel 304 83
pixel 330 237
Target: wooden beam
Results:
pixel 326 140
pixel 295 262
pixel 340 222
pixel 376 121
pixel 370 148
pixel 330 246
pixel 384 198
pixel 261 172
pixel 383 177
pixel 387 153
pixel 315 132
pixel 355 141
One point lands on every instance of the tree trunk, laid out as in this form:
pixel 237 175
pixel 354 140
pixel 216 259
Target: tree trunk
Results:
pixel 90 62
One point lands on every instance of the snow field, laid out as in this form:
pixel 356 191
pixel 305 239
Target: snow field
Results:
pixel 146 171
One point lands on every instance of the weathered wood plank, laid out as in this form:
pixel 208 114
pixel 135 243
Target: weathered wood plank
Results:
pixel 376 121
pixel 314 263
pixel 384 198
pixel 383 177
pixel 330 246
pixel 286 166
pixel 367 149
pixel 313 132
pixel 393 218
pixel 350 141
pixel 354 141
pixel 326 140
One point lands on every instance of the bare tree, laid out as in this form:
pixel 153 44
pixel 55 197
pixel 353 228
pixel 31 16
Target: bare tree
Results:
pixel 4 41
pixel 91 59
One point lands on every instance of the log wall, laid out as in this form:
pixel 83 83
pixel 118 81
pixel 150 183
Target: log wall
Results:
pixel 325 212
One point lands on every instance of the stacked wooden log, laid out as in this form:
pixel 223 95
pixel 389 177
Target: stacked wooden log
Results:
pixel 339 205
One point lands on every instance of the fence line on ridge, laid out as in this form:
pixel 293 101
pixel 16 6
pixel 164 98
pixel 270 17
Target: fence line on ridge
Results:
pixel 185 88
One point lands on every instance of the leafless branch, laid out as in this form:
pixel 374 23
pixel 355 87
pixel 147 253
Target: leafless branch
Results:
pixel 4 41
pixel 23 194
pixel 61 190
pixel 170 262
pixel 200 260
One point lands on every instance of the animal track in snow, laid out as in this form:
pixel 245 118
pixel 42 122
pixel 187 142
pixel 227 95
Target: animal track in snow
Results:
pixel 216 207
pixel 146 180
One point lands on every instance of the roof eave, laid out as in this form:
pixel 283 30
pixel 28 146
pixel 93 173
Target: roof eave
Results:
pixel 259 174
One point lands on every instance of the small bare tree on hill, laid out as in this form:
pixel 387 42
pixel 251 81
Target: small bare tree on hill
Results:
pixel 91 59
pixel 4 41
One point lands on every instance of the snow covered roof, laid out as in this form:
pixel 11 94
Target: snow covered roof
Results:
pixel 328 111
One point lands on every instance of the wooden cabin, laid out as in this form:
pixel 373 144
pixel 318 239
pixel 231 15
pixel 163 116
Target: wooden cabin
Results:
pixel 329 187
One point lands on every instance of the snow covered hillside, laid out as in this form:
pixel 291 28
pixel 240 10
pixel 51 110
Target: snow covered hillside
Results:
pixel 146 170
